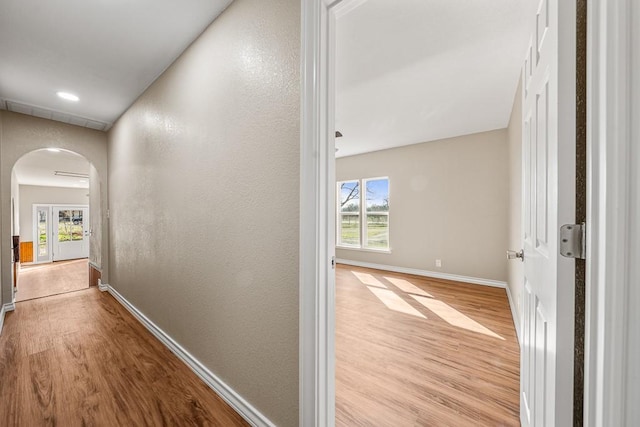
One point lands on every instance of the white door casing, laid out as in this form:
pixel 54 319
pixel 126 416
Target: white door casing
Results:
pixel 548 202
pixel 612 342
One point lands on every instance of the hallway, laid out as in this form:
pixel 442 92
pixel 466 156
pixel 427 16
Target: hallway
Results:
pixel 81 359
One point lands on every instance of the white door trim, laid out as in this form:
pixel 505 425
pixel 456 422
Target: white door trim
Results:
pixel 613 207
pixel 317 216
pixel 317 401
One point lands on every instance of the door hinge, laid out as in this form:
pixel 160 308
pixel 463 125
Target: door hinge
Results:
pixel 573 241
pixel 333 262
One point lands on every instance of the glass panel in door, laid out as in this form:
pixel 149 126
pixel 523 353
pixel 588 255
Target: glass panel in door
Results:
pixel 70 232
pixel 42 231
pixel 70 225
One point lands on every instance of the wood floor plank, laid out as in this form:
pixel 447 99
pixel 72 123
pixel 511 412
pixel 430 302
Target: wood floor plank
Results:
pixel 80 359
pixel 450 360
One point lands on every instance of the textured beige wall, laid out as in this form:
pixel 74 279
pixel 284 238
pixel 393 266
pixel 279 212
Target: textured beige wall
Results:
pixel 15 196
pixel 516 272
pixel 448 201
pixel 22 134
pixel 5 291
pixel 204 202
pixel 33 194
pixel 96 221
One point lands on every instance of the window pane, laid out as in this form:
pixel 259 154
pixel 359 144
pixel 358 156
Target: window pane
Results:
pixel 76 225
pixel 377 202
pixel 42 233
pixel 377 231
pixel 350 196
pixel 350 229
pixel 377 195
pixel 349 208
pixel 70 225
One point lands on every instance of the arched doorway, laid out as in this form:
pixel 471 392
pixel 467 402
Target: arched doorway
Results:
pixel 51 223
pixel 22 134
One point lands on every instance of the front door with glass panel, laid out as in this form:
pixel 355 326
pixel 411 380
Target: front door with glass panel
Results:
pixel 70 235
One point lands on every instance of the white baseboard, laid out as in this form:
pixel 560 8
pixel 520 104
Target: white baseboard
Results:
pixel 426 273
pixel 103 287
pixel 4 309
pixel 237 402
pixel 514 315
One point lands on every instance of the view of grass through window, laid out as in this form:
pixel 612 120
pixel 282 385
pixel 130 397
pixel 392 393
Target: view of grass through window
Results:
pixel 70 225
pixel 377 196
pixel 350 213
pixel 374 232
pixel 42 233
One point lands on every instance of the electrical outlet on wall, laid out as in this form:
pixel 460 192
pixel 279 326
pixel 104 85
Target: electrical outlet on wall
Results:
pixel 438 263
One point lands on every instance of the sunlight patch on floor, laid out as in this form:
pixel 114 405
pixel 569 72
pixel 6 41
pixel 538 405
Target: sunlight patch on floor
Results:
pixel 394 302
pixel 368 279
pixel 408 287
pixel 454 317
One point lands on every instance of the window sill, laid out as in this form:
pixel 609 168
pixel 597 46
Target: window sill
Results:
pixel 351 248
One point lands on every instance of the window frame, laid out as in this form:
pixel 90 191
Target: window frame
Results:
pixel 362 215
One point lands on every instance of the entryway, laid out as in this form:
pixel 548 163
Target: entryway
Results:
pixel 51 219
pixel 62 232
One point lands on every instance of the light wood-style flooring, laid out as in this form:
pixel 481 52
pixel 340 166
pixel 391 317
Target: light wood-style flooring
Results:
pixel 81 359
pixel 413 351
pixel 42 280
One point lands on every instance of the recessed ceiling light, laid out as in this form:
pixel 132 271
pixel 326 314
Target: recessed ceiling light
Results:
pixel 53 150
pixel 68 96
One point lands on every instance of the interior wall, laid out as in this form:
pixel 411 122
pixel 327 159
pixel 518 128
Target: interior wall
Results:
pixel 95 221
pixel 516 267
pixel 204 202
pixel 14 206
pixel 22 134
pixel 34 194
pixel 15 197
pixel 448 200
pixel 5 294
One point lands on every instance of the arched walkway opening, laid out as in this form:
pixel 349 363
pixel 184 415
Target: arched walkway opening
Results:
pixel 51 223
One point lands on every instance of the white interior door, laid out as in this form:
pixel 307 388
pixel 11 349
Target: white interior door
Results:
pixel 70 232
pixel 549 202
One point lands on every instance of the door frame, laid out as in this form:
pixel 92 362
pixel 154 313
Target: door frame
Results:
pixel 613 202
pixel 54 230
pixel 613 163
pixel 317 213
pixel 50 206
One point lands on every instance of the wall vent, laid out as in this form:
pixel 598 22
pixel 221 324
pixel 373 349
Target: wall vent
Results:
pixel 32 110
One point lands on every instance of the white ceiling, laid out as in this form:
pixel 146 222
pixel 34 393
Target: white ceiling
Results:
pixel 411 71
pixel 107 52
pixel 408 71
pixel 38 168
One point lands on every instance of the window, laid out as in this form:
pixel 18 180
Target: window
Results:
pixel 70 225
pixel 363 220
